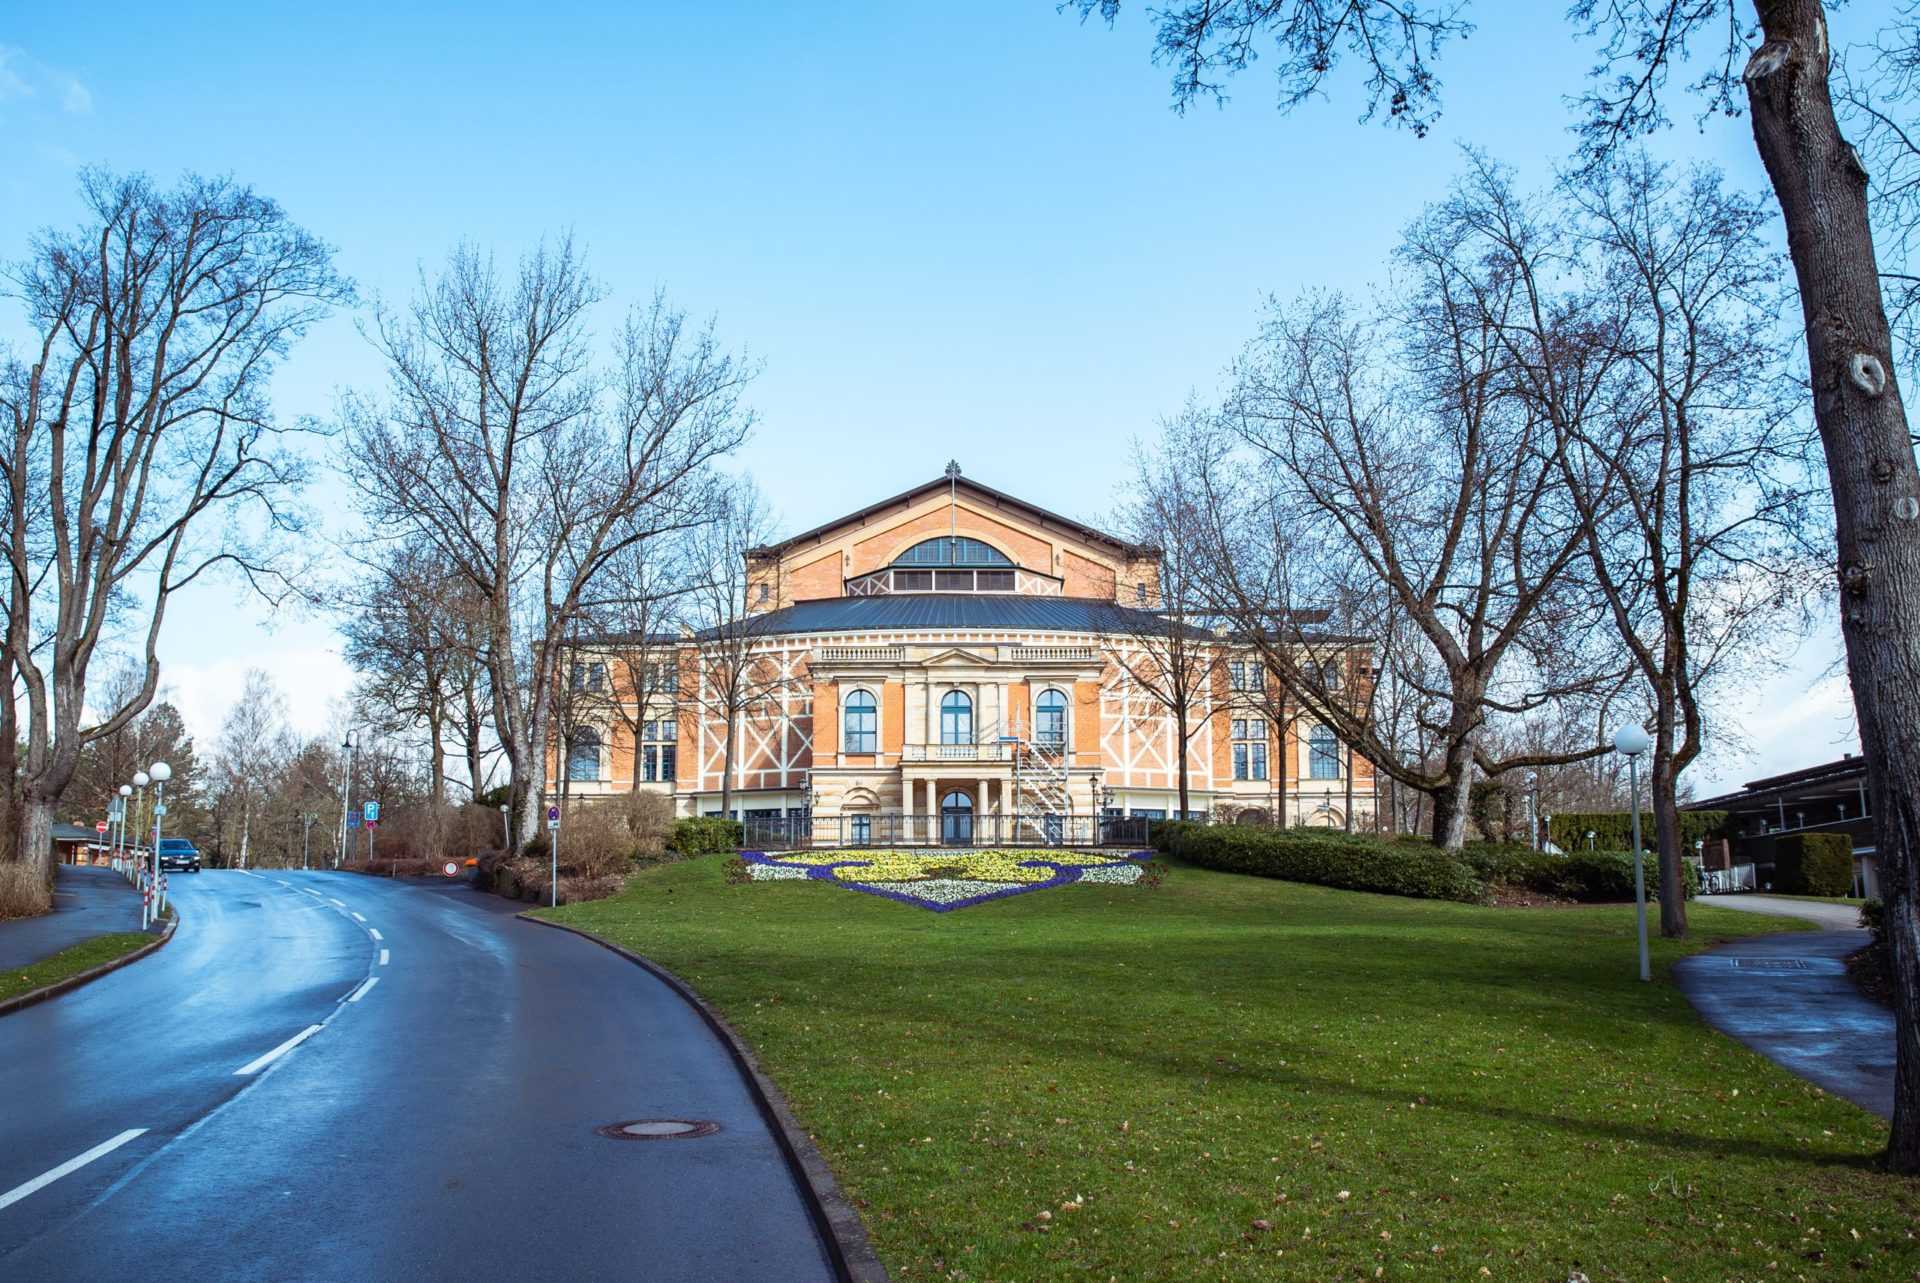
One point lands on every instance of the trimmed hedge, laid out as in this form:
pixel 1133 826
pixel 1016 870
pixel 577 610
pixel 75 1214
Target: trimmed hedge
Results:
pixel 1347 861
pixel 1813 864
pixel 1597 877
pixel 1162 834
pixel 1613 830
pixel 706 835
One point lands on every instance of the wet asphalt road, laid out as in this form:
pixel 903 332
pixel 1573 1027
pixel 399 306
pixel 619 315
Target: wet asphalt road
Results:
pixel 88 900
pixel 438 1126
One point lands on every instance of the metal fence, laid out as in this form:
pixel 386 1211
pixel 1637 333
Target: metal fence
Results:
pixel 786 833
pixel 1741 877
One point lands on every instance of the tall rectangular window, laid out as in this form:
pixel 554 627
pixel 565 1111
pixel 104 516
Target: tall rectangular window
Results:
pixel 1323 754
pixel 862 723
pixel 1250 748
pixel 863 829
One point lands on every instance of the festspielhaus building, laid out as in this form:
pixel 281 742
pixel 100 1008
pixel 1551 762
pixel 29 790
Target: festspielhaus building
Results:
pixel 954 664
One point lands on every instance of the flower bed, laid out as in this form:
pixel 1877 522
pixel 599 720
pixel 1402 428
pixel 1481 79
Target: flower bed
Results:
pixel 945 878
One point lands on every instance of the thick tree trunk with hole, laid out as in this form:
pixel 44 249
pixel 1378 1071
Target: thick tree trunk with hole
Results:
pixel 1822 188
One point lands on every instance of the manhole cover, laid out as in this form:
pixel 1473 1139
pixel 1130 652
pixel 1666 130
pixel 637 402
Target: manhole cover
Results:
pixel 1770 964
pixel 658 1129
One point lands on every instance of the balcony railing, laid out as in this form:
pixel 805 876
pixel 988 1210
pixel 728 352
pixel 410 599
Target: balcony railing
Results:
pixel 954 753
pixel 860 655
pixel 1054 654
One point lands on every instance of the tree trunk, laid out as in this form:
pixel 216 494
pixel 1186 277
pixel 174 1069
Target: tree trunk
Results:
pixel 1180 755
pixel 246 827
pixel 1822 188
pixel 1450 801
pixel 34 848
pixel 1666 828
pixel 726 771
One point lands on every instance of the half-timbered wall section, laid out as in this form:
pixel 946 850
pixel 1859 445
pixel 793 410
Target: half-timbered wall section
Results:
pixel 956 646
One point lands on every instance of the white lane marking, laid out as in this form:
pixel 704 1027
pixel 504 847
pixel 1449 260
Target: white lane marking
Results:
pixel 255 1066
pixel 74 1164
pixel 341 903
pixel 375 933
pixel 383 957
pixel 315 894
pixel 361 992
pixel 358 918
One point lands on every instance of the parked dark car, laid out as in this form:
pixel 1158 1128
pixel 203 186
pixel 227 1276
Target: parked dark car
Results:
pixel 179 853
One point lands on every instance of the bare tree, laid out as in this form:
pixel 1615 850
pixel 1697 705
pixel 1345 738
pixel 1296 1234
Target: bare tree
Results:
pixel 140 451
pixel 1692 485
pixel 1398 481
pixel 730 677
pixel 1169 653
pixel 254 749
pixel 526 472
pixel 411 633
pixel 1822 187
pixel 637 607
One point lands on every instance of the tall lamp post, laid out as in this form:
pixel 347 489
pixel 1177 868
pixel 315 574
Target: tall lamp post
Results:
pixel 1533 825
pixel 140 783
pixel 126 792
pixel 159 773
pixel 1632 741
pixel 346 799
pixel 506 827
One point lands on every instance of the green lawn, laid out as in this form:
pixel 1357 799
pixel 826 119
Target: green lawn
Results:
pixel 1231 1078
pixel 70 962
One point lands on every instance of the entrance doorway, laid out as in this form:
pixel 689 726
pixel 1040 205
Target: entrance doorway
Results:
pixel 956 819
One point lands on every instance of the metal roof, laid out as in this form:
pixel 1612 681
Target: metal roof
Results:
pixel 925 611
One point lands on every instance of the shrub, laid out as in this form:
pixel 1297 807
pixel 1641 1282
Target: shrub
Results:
pixel 595 840
pixel 1613 830
pixel 1161 834
pixel 24 893
pixel 1324 858
pixel 1813 864
pixel 706 835
pixel 1873 916
pixel 1597 877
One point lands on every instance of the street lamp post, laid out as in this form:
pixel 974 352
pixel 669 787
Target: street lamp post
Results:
pixel 346 799
pixel 1590 837
pixel 146 898
pixel 1533 825
pixel 1632 741
pixel 126 792
pixel 159 773
pixel 506 827
pixel 306 836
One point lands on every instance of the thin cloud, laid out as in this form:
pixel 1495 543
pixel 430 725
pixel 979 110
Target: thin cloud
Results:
pixel 77 100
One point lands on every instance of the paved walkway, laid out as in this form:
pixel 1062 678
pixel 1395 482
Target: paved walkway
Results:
pixel 1828 917
pixel 1788 997
pixel 87 901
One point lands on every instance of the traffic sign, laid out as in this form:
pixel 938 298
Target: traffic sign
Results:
pixel 370 811
pixel 451 869
pixel 159 808
pixel 100 826
pixel 553 818
pixel 353 819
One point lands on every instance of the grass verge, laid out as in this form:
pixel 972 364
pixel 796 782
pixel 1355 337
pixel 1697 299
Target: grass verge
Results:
pixel 70 961
pixel 1236 1078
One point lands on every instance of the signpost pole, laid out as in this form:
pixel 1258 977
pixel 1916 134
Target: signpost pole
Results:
pixel 553 851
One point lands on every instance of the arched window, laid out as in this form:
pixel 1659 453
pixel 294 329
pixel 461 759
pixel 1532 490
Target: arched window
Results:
pixel 950 551
pixel 1050 719
pixel 1323 754
pixel 583 755
pixel 956 718
pixel 862 723
pixel 956 818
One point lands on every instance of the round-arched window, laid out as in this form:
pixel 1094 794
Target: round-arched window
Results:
pixel 956 718
pixel 1050 718
pixel 862 723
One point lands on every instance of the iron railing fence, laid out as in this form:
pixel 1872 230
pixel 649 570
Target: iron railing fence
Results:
pixel 786 833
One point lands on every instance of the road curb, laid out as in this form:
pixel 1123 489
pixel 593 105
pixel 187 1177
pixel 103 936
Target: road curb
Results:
pixel 836 1218
pixel 58 987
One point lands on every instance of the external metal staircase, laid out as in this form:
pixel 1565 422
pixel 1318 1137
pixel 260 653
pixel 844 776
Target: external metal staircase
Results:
pixel 1041 796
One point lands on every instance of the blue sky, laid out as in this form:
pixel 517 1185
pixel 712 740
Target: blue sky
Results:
pixel 972 231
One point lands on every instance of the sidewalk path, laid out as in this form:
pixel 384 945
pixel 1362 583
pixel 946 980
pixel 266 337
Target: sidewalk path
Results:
pixel 1828 917
pixel 1788 997
pixel 88 901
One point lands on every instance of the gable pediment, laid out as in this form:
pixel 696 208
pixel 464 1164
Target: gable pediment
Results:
pixel 957 657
